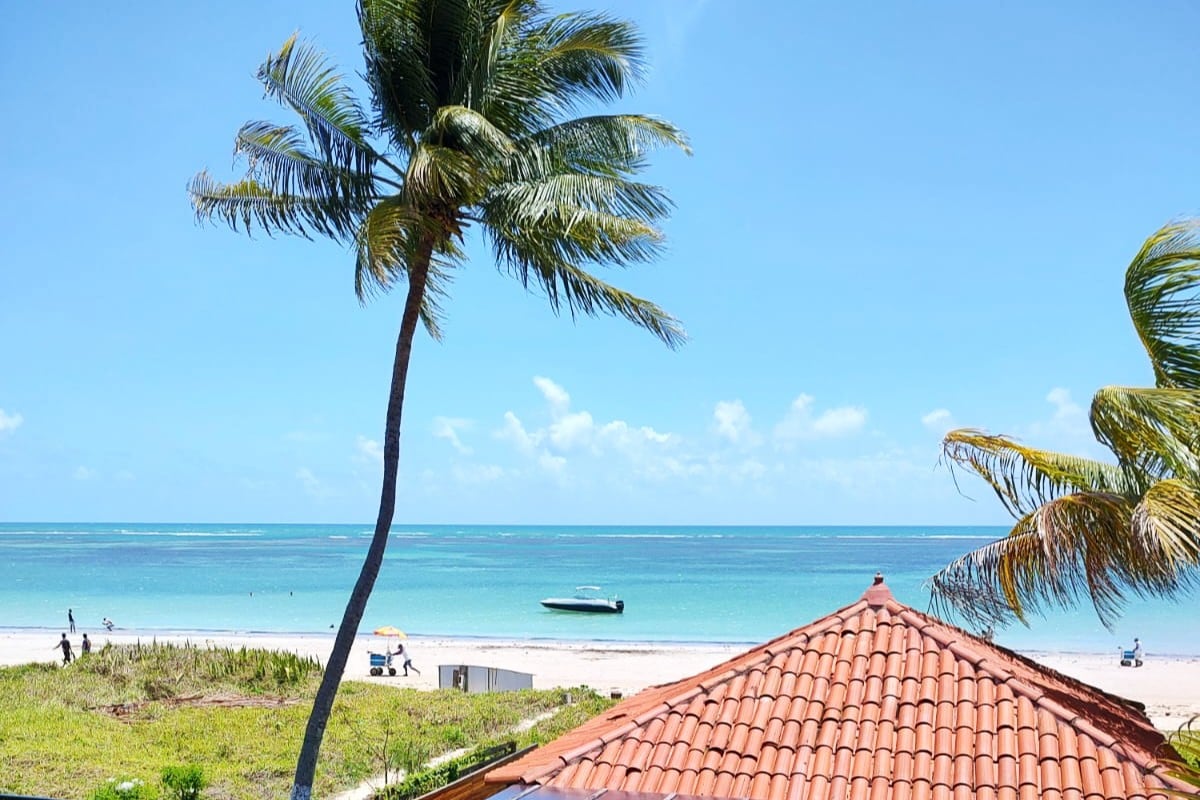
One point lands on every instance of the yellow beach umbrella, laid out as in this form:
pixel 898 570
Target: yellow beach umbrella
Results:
pixel 390 630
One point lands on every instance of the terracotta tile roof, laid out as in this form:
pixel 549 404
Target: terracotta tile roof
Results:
pixel 876 700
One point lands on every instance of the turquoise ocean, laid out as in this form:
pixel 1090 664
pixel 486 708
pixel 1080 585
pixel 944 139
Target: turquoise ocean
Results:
pixel 679 584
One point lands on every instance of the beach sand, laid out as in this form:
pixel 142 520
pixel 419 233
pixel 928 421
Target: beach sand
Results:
pixel 1169 687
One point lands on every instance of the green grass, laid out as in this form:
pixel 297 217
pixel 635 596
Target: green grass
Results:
pixel 59 736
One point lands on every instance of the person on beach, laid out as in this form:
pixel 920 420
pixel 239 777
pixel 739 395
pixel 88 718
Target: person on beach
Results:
pixel 70 620
pixel 65 644
pixel 406 658
pixel 108 623
pixel 1137 652
pixel 85 646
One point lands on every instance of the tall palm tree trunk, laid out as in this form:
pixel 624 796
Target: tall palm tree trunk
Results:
pixel 314 732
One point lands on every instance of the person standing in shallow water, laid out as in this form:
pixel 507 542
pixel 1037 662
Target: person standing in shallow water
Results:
pixel 70 620
pixel 65 644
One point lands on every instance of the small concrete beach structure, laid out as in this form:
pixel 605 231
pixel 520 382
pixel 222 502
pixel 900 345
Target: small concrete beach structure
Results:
pixel 876 700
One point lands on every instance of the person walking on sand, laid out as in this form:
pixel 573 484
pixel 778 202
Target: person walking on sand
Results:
pixel 406 659
pixel 85 646
pixel 70 620
pixel 65 644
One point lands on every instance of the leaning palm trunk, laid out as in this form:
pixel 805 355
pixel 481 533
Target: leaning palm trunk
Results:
pixel 470 105
pixel 314 731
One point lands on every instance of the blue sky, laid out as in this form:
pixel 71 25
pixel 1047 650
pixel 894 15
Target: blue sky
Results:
pixel 898 218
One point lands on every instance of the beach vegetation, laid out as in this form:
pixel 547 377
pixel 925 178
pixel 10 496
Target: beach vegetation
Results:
pixel 1186 743
pixel 184 781
pixel 1101 531
pixel 139 714
pixel 470 126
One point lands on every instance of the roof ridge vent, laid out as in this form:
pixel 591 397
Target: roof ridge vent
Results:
pixel 878 594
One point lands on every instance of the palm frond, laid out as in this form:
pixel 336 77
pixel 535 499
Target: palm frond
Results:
pixel 397 71
pixel 1154 431
pixel 277 157
pixel 1186 744
pixel 463 129
pixel 584 57
pixel 565 284
pixel 1165 527
pixel 613 146
pixel 443 176
pixel 1074 546
pixel 392 237
pixel 248 203
pixel 1162 288
pixel 298 76
pixel 534 202
pixel 561 234
pixel 1025 478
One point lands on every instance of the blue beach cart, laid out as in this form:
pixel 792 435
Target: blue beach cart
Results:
pixel 381 662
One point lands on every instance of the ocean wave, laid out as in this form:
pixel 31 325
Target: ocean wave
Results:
pixel 948 536
pixel 187 534
pixel 339 537
pixel 657 536
pixel 905 538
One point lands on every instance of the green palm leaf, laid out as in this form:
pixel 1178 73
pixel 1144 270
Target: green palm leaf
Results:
pixel 277 157
pixel 587 57
pixel 298 76
pixel 604 145
pixel 248 203
pixel 1186 744
pixel 1154 430
pixel 1071 547
pixel 1166 526
pixel 1162 287
pixel 397 73
pixel 1023 477
pixel 461 128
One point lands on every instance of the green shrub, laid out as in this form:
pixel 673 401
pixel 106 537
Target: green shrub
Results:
pixel 184 782
pixel 124 789
pixel 425 781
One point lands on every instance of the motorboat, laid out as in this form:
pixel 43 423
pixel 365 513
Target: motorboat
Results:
pixel 587 598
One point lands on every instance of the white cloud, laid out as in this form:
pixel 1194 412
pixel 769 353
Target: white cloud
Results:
pixel 732 422
pixel 514 431
pixel 369 449
pixel 312 485
pixel 940 420
pixel 448 427
pixel 477 473
pixel 10 422
pixel 552 463
pixel 83 474
pixel 1065 409
pixel 800 423
pixel 1068 429
pixel 557 396
pixel 577 433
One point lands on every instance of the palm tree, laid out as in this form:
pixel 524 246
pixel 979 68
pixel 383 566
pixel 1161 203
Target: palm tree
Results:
pixel 470 124
pixel 1091 529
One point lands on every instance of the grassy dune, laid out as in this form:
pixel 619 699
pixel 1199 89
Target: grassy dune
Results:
pixel 127 712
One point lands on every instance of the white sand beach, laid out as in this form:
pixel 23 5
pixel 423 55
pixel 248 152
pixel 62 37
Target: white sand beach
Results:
pixel 1168 686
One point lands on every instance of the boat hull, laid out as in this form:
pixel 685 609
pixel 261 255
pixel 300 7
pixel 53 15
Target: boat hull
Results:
pixel 585 605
